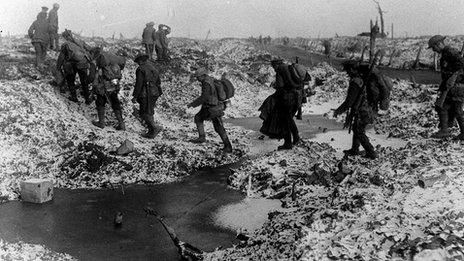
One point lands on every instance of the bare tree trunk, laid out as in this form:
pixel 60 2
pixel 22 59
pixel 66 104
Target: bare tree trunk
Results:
pixel 435 61
pixel 462 49
pixel 372 42
pixel 381 12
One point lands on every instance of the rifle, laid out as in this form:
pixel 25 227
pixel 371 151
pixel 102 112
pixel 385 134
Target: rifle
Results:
pixel 353 112
pixel 186 251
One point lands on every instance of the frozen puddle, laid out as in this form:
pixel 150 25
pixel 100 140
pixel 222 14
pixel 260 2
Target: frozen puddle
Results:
pixel 249 214
pixel 341 140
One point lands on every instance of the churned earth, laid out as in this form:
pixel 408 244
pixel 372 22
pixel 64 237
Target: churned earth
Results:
pixel 405 205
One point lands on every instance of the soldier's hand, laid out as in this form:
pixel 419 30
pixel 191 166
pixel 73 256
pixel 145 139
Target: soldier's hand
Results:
pixel 336 113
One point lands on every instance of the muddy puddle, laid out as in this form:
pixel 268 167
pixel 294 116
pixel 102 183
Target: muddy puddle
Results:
pixel 201 209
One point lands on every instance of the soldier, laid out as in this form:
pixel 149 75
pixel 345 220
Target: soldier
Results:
pixel 107 85
pixel 161 42
pixel 211 109
pixel 53 21
pixel 75 58
pixel 362 111
pixel 147 90
pixel 39 33
pixel 451 91
pixel 286 85
pixel 148 38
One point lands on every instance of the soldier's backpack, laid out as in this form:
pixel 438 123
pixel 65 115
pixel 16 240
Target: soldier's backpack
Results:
pixel 153 81
pixel 112 71
pixel 381 89
pixel 224 88
pixel 75 53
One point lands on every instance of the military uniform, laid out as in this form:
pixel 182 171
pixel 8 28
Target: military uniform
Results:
pixel 107 87
pixel 39 33
pixel 364 112
pixel 53 21
pixel 451 97
pixel 147 90
pixel 148 39
pixel 211 109
pixel 161 43
pixel 74 59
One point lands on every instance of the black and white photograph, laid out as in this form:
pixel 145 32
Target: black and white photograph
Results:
pixel 224 130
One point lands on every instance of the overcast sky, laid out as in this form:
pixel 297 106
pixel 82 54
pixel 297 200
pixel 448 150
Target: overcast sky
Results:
pixel 240 18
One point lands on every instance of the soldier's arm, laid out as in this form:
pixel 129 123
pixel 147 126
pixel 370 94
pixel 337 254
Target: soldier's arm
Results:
pixel 203 97
pixel 139 78
pixel 61 58
pixel 30 32
pixel 354 90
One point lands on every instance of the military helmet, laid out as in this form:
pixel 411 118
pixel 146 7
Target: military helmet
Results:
pixel 201 72
pixel 141 57
pixel 436 39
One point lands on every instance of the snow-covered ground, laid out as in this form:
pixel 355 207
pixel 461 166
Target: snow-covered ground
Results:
pixel 407 204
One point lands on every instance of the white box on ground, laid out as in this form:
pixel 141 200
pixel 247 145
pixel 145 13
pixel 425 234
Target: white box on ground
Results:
pixel 37 190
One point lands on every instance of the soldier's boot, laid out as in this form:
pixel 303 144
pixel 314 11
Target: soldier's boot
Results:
pixel 287 143
pixel 101 118
pixel 153 130
pixel 295 134
pixel 73 95
pixel 370 151
pixel 225 140
pixel 460 120
pixel 121 125
pixel 201 133
pixel 354 147
pixel 299 114
pixel 444 130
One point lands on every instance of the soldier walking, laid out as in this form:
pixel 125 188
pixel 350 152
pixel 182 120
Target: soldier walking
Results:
pixel 53 21
pixel 107 85
pixel 147 90
pixel 161 42
pixel 39 33
pixel 362 110
pixel 148 38
pixel 451 90
pixel 75 58
pixel 211 109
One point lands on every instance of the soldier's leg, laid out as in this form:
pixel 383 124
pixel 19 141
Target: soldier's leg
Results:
pixel 44 51
pixel 359 129
pixel 294 131
pixel 71 81
pixel 287 121
pixel 458 113
pixel 443 117
pixel 117 109
pixel 100 104
pixel 38 55
pixel 84 78
pixel 158 51
pixel 354 145
pixel 199 120
pixel 57 41
pixel 219 128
